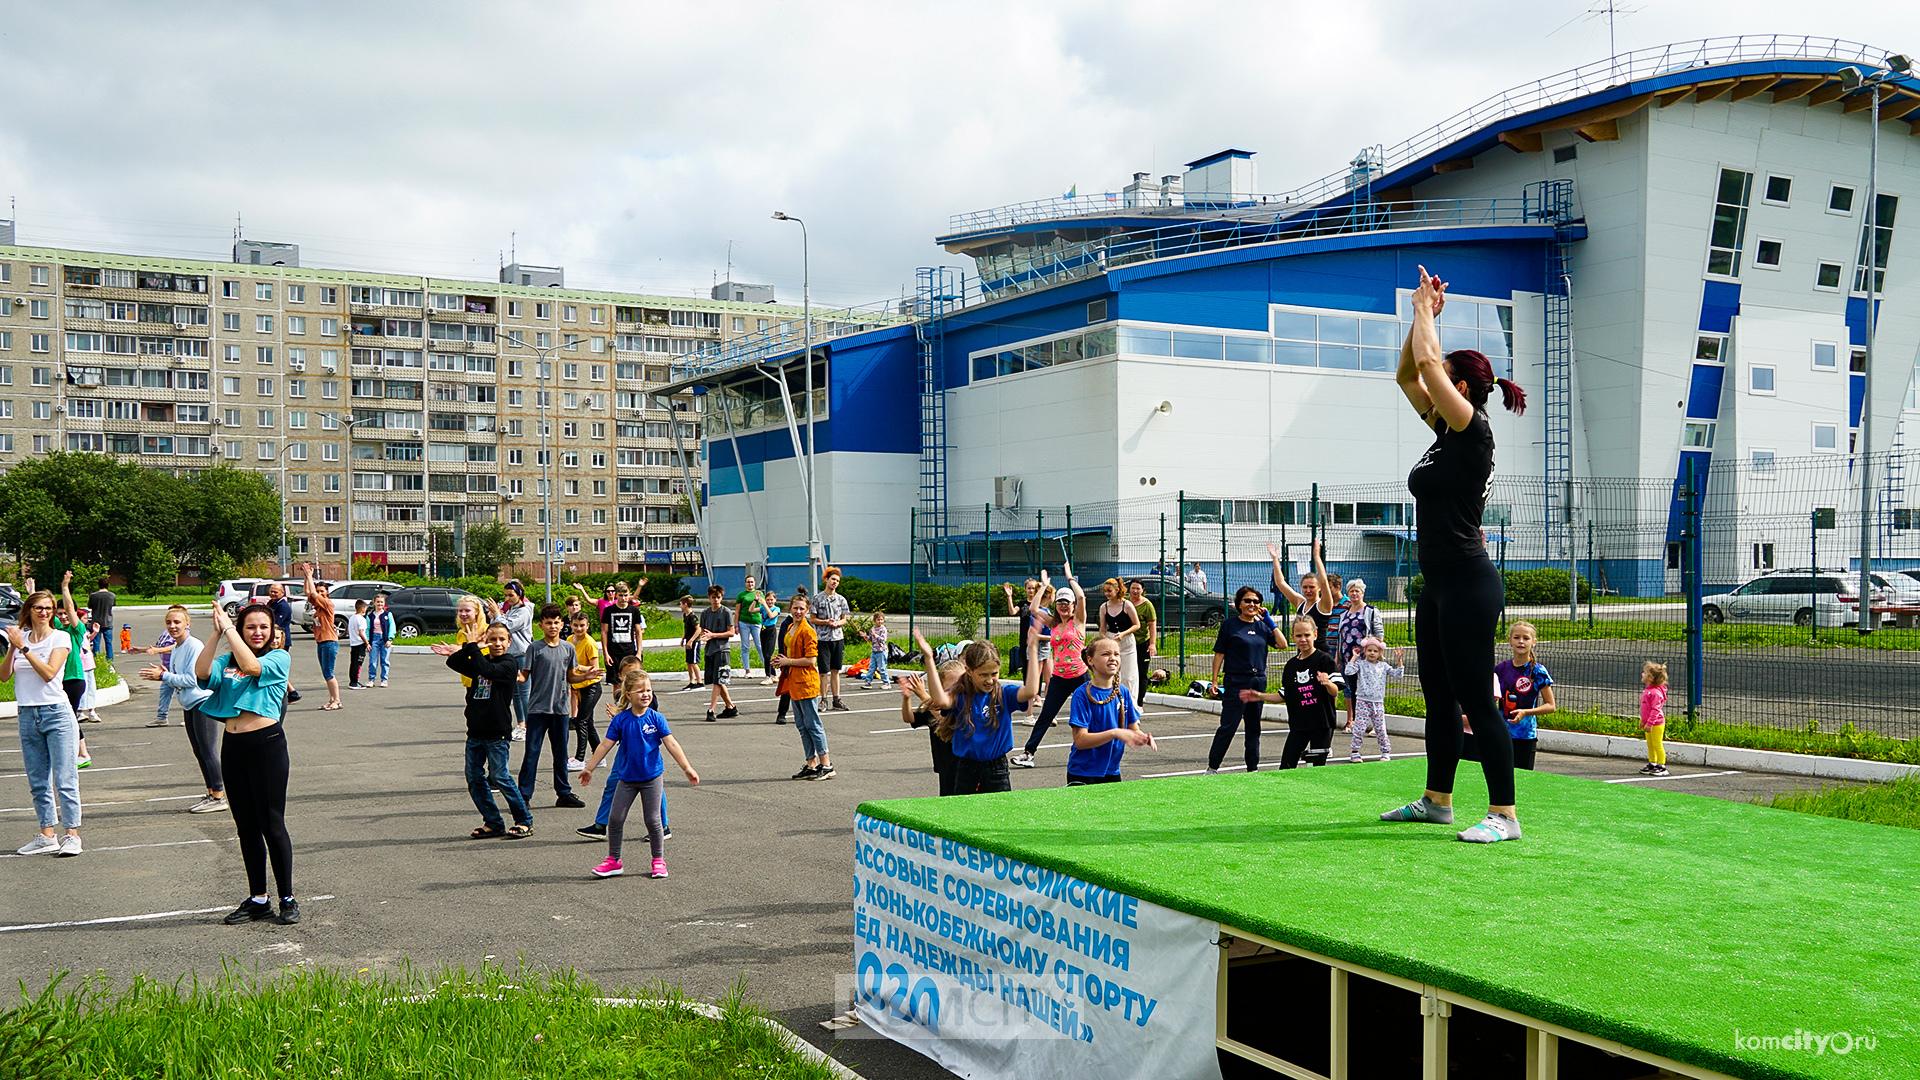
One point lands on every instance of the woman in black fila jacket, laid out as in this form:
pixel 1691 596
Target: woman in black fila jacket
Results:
pixel 1463 594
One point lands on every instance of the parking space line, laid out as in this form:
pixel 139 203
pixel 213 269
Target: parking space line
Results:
pixel 1671 776
pixel 146 917
pixel 127 847
pixel 92 771
pixel 116 802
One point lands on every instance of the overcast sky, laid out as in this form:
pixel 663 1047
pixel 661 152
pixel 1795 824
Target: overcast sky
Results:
pixel 632 142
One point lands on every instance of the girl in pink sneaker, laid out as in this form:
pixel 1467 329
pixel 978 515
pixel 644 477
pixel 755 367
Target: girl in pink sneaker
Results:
pixel 641 733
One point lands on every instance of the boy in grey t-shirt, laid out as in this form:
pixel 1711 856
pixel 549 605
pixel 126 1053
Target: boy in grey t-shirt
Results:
pixel 717 627
pixel 549 718
pixel 830 611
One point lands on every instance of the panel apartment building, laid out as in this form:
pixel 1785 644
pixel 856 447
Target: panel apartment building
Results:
pixel 401 401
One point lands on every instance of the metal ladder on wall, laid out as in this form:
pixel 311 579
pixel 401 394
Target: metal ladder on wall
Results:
pixel 1893 490
pixel 937 292
pixel 1552 202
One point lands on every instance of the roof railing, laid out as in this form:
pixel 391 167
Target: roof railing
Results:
pixel 1526 97
pixel 789 334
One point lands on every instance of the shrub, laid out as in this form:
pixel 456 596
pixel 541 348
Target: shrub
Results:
pixel 1544 585
pixel 155 572
pixel 966 617
pixel 87 577
pixel 218 567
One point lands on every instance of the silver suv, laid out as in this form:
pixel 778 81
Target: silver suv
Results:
pixel 1800 597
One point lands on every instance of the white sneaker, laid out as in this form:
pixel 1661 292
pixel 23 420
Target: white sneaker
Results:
pixel 41 844
pixel 575 764
pixel 519 734
pixel 1023 761
pixel 208 805
pixel 69 845
pixel 1386 757
pixel 83 761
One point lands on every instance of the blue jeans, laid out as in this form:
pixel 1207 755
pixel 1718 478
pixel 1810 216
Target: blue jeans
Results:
pixel 813 734
pixel 329 653
pixel 749 646
pixel 103 641
pixel 521 689
pixel 550 728
pixel 610 785
pixel 379 663
pixel 486 766
pixel 877 665
pixel 166 700
pixel 49 737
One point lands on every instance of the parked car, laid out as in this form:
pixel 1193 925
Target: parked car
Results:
pixel 343 594
pixel 422 609
pixel 10 604
pixel 230 594
pixel 296 595
pixel 1797 597
pixel 1203 608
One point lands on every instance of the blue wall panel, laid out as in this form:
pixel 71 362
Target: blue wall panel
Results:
pixel 1719 303
pixel 875 383
pixel 1703 397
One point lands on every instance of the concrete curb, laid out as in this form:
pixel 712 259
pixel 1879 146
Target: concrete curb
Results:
pixel 1700 755
pixel 112 695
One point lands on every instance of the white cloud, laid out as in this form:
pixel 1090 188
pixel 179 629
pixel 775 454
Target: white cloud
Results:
pixel 632 142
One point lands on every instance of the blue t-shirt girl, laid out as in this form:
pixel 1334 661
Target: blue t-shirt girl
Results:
pixel 1096 710
pixel 1520 687
pixel 639 737
pixel 979 736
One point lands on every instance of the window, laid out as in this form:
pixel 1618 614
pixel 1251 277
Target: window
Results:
pixel 1840 199
pixel 265 387
pixel 1729 230
pixel 329 327
pixel 264 418
pixel 230 354
pixel 40 342
pixel 37 308
pixel 43 410
pixel 1564 154
pixel 1857 361
pixel 1779 190
pixel 1827 276
pixel 230 384
pixel 1760 379
pixel 230 321
pixel 1884 208
pixel 1763 556
pixel 296 388
pixel 1826 438
pixel 296 294
pixel 1825 356
pixel 263 354
pixel 740 324
pixel 513 309
pixel 41 275
pixel 542 311
pixel 263 324
pixel 262 290
pixel 1698 435
pixel 296 324
pixel 42 376
pixel 568 313
pixel 1766 254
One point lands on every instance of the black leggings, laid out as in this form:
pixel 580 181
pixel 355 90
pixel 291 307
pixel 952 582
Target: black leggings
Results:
pixel 586 738
pixel 769 644
pixel 1313 739
pixel 1455 620
pixel 1146 664
pixel 254 765
pixel 1059 689
pixel 1232 711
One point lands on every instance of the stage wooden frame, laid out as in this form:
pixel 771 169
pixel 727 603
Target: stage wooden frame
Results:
pixel 1436 1006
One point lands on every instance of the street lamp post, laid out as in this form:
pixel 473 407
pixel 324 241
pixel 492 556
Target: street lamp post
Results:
pixel 347 488
pixel 814 553
pixel 546 453
pixel 1853 80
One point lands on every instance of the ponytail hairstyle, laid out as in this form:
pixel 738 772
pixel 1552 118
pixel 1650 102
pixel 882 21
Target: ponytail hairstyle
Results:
pixel 632 681
pixel 1472 367
pixel 976 655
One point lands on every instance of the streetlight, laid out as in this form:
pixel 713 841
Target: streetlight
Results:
pixel 348 486
pixel 546 455
pixel 814 553
pixel 1852 80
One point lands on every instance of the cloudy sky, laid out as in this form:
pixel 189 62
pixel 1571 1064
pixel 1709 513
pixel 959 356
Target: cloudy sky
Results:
pixel 632 142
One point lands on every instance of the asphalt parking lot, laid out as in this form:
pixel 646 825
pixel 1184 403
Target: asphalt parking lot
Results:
pixel 379 815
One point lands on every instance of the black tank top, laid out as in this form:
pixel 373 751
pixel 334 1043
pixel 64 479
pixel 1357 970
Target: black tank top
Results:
pixel 1450 483
pixel 1113 623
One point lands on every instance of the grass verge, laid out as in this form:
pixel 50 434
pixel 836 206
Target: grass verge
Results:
pixel 313 1022
pixel 1895 803
pixel 104 676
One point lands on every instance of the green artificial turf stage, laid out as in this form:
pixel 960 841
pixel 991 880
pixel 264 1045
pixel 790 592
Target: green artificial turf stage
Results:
pixel 1664 921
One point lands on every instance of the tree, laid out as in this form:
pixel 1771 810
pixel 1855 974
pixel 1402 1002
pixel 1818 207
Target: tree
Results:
pixel 65 508
pixel 156 572
pixel 489 547
pixel 234 512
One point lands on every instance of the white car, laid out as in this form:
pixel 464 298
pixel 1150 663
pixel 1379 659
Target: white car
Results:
pixel 1800 597
pixel 233 592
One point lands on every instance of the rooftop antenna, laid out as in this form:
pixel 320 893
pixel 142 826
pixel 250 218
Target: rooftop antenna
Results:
pixel 1610 10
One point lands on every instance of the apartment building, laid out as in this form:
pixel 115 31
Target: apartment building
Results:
pixel 394 402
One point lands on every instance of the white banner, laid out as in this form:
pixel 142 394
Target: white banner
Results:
pixel 997 968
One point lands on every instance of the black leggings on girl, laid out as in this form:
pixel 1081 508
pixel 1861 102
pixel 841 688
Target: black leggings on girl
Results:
pixel 254 765
pixel 1059 689
pixel 650 793
pixel 1455 622
pixel 1232 711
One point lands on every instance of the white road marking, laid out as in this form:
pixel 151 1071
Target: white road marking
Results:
pixel 116 802
pixel 128 847
pixel 1236 768
pixel 91 771
pixel 1672 776
pixel 147 917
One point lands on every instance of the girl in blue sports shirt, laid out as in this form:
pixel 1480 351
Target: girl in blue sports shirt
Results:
pixel 642 733
pixel 980 722
pixel 1104 719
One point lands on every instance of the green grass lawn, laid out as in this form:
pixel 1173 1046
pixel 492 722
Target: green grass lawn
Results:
pixel 1896 803
pixel 312 1022
pixel 103 676
pixel 1659 919
pixel 197 599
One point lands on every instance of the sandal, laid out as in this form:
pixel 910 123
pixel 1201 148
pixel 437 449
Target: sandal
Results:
pixel 487 832
pixel 331 707
pixel 515 832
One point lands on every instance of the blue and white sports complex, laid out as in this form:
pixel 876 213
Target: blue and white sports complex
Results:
pixel 1669 250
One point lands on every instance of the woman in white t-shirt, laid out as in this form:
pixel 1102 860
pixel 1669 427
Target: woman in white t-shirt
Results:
pixel 35 659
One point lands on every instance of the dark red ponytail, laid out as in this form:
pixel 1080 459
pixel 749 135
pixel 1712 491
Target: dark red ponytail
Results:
pixel 1472 367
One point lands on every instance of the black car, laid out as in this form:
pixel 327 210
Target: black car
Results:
pixel 422 609
pixel 9 605
pixel 1203 608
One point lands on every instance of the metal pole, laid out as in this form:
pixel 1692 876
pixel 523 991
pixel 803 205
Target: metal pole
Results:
pixel 1223 559
pixel 1593 574
pixel 1066 542
pixel 546 480
pixel 1180 567
pixel 1695 631
pixel 1039 540
pixel 1864 457
pixel 913 568
pixel 1813 551
pixel 284 511
pixel 1160 601
pixel 986 627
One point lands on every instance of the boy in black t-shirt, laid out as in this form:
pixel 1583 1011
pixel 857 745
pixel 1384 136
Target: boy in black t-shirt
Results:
pixel 489 723
pixel 1308 691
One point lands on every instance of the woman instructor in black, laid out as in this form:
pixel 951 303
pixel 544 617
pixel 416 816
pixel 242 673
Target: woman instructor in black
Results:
pixel 1461 600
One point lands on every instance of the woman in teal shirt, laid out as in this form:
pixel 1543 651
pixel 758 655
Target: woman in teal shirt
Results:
pixel 249 693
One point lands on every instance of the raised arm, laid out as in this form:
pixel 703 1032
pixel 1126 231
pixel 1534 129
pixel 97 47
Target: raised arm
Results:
pixel 1032 668
pixel 203 664
pixel 1280 578
pixel 1424 342
pixel 69 611
pixel 1325 602
pixel 1006 590
pixel 936 687
pixel 1407 373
